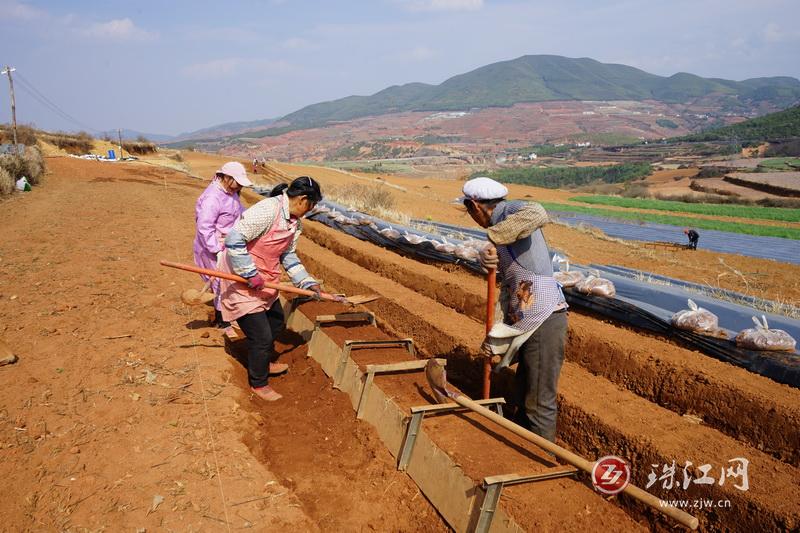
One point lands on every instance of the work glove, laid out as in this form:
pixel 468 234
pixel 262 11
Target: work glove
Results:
pixel 316 290
pixel 488 256
pixel 486 348
pixel 256 282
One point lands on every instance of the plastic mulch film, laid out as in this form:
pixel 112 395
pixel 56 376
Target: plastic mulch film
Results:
pixel 783 367
pixel 411 241
pixel 636 303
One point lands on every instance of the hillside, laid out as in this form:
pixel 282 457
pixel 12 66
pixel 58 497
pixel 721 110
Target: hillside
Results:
pixel 541 78
pixel 772 127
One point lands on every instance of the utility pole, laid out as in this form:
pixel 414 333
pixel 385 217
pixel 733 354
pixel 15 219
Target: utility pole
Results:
pixel 8 70
pixel 119 136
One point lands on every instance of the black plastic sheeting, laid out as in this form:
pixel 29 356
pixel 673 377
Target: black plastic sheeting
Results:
pixel 640 304
pixel 664 301
pixel 371 232
pixel 716 292
pixel 784 250
pixel 782 367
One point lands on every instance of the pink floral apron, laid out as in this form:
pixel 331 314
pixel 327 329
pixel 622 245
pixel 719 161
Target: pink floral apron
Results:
pixel 237 299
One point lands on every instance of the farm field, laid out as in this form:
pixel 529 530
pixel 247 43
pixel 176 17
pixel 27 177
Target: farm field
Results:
pixel 737 211
pixel 786 183
pixel 720 225
pixel 144 375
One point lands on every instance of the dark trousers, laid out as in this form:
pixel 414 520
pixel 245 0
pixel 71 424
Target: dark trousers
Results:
pixel 261 329
pixel 540 360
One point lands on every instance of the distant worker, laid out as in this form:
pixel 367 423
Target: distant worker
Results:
pixel 255 165
pixel 216 211
pixel 693 238
pixel 535 319
pixel 264 239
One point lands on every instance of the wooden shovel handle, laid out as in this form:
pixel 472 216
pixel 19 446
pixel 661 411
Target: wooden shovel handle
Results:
pixel 240 279
pixel 491 281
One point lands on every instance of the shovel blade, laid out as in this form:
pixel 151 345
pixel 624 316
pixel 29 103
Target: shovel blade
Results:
pixel 437 378
pixel 362 298
pixel 195 297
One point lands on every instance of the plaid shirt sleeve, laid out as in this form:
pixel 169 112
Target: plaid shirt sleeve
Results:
pixel 294 267
pixel 519 225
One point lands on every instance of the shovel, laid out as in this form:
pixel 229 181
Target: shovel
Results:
pixel 351 300
pixel 195 297
pixel 437 379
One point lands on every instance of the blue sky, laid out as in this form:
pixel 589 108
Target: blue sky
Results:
pixel 174 66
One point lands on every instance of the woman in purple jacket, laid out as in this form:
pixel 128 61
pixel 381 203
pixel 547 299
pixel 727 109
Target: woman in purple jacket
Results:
pixel 216 211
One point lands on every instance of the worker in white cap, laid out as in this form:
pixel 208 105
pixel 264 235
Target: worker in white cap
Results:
pixel 216 211
pixel 534 326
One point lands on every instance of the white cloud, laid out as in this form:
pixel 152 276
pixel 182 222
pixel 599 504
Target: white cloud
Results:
pixel 118 30
pixel 11 10
pixel 441 5
pixel 418 53
pixel 232 66
pixel 296 43
pixel 773 33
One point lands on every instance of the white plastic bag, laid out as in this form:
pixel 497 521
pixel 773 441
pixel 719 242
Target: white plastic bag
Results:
pixel 696 319
pixel 567 277
pixel 596 285
pixel 763 338
pixel 22 184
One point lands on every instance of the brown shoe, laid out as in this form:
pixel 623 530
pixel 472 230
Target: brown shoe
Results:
pixel 266 393
pixel 277 368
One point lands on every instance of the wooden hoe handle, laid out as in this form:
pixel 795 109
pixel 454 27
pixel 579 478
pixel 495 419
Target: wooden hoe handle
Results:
pixel 234 277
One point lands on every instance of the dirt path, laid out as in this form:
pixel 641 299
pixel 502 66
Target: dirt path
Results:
pixel 124 412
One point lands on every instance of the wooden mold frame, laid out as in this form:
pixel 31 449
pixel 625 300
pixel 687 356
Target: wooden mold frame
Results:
pixel 458 498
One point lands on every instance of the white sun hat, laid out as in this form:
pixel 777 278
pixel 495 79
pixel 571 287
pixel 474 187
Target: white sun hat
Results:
pixel 483 188
pixel 236 170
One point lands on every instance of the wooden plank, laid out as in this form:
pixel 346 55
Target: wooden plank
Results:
pixel 418 364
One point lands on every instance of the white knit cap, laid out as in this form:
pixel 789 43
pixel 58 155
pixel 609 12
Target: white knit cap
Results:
pixel 484 188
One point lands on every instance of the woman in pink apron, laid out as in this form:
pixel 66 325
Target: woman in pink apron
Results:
pixel 216 211
pixel 263 240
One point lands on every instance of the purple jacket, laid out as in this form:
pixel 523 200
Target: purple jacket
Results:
pixel 215 214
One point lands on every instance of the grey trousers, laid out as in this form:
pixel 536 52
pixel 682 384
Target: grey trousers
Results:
pixel 540 360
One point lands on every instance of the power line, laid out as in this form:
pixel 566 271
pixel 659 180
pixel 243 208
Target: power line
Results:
pixel 29 88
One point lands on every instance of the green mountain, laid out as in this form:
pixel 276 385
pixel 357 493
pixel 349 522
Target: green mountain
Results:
pixel 539 78
pixel 772 127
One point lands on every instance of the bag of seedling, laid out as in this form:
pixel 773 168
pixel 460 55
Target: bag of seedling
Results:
pixel 763 338
pixel 596 285
pixel 696 319
pixel 567 277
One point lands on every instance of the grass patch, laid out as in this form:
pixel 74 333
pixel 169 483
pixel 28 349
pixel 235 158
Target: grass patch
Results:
pixel 557 177
pixel 370 167
pixel 726 210
pixel 779 164
pixel 700 223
